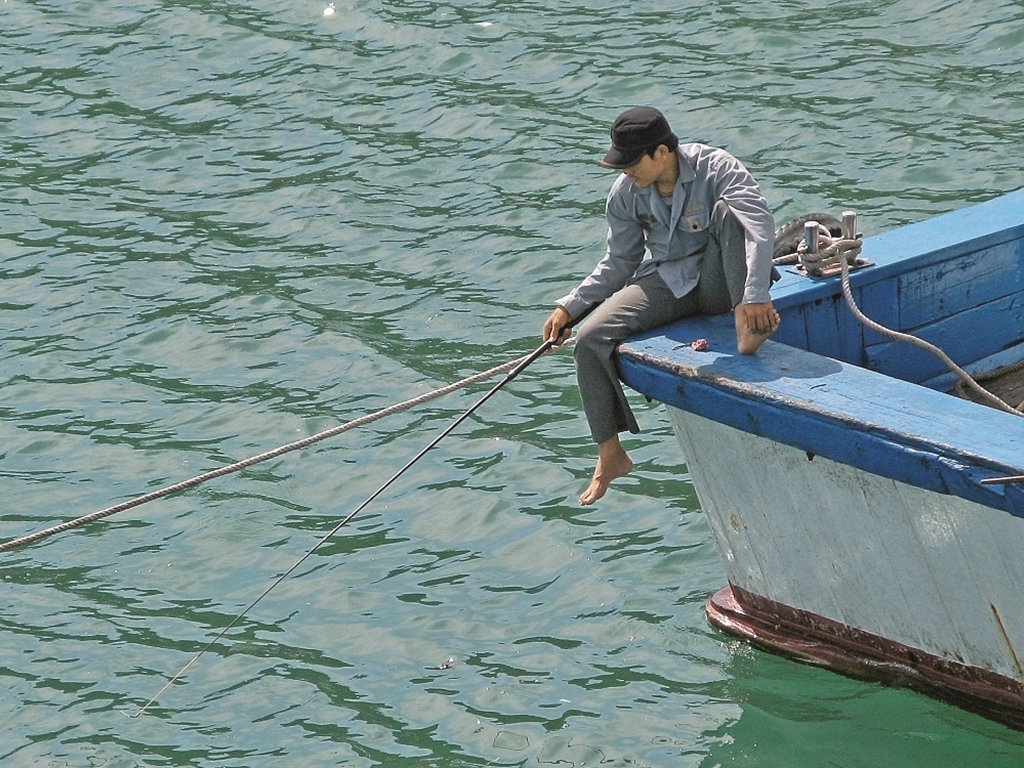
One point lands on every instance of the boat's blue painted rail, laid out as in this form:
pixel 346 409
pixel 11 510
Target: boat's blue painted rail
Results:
pixel 829 408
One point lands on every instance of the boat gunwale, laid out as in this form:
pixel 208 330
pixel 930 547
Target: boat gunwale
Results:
pixel 817 404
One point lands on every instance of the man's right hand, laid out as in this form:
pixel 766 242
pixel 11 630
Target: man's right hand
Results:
pixel 554 327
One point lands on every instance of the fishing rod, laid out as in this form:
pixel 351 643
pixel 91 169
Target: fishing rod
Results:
pixel 513 373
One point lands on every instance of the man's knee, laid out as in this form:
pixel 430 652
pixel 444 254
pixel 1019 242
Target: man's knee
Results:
pixel 589 339
pixel 725 227
pixel 719 212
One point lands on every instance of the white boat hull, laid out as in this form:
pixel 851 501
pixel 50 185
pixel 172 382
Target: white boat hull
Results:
pixel 920 585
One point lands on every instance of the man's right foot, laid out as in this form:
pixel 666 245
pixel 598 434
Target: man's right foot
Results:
pixel 607 469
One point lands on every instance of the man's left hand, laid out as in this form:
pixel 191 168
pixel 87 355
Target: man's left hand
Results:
pixel 761 319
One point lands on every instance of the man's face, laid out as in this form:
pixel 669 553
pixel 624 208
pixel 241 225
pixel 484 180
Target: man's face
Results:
pixel 643 172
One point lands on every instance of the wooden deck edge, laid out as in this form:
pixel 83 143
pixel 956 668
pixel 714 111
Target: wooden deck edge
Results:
pixel 812 639
pixel 848 414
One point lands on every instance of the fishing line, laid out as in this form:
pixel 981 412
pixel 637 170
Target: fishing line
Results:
pixel 515 371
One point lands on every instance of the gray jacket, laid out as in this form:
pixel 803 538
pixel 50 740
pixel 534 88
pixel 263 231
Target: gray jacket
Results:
pixel 674 238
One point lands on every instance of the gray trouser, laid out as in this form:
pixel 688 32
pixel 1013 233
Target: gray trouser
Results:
pixel 646 303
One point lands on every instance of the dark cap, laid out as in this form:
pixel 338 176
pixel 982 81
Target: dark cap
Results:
pixel 634 132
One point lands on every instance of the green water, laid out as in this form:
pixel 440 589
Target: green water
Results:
pixel 226 226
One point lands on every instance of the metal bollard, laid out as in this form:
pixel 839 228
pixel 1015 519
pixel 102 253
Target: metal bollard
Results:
pixel 850 233
pixel 849 225
pixel 811 236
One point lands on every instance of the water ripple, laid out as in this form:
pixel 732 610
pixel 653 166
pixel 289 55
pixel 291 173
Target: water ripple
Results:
pixel 228 226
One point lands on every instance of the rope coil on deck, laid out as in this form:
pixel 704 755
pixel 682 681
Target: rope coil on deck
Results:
pixel 266 456
pixel 829 245
pixel 843 250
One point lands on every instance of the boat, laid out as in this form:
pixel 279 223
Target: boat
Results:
pixel 870 517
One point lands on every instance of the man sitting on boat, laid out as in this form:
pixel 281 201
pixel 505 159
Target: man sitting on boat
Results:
pixel 702 219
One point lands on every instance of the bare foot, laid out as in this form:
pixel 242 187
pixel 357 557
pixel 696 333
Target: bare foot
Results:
pixel 748 340
pixel 612 463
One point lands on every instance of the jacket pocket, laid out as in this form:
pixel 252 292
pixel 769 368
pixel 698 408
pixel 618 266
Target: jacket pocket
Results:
pixel 695 220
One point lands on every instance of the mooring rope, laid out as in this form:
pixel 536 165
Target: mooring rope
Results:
pixel 996 373
pixel 843 247
pixel 266 456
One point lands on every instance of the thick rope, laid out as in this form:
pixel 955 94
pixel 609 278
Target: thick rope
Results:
pixel 845 251
pixel 272 454
pixel 921 343
pixel 961 384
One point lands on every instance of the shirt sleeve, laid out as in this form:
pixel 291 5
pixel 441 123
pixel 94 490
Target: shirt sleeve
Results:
pixel 623 253
pixel 736 186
